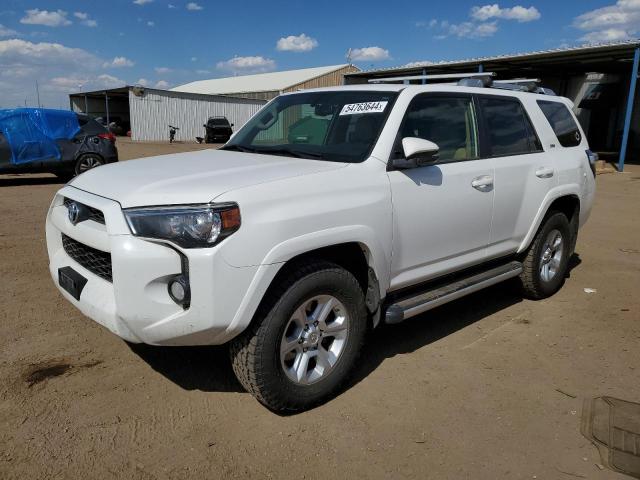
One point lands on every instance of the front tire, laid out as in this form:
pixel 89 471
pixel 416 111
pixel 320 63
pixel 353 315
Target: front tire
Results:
pixel 304 340
pixel 545 265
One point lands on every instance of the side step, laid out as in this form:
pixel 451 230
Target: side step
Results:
pixel 411 306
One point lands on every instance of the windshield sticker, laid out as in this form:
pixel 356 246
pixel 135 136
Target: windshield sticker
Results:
pixel 367 107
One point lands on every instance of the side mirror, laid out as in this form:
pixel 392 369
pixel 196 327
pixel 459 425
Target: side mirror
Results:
pixel 232 124
pixel 204 125
pixel 418 152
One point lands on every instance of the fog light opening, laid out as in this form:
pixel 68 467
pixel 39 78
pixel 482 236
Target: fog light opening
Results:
pixel 179 291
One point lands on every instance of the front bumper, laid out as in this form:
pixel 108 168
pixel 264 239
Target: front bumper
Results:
pixel 136 305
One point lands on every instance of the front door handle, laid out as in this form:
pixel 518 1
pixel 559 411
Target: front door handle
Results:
pixel 544 172
pixel 483 183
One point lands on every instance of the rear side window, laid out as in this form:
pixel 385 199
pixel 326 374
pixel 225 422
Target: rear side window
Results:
pixel 562 122
pixel 89 126
pixel 509 129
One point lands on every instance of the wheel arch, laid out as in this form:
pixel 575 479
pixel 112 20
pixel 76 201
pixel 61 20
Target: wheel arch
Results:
pixel 354 256
pixel 566 201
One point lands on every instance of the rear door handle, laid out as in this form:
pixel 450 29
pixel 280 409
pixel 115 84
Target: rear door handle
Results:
pixel 544 172
pixel 483 183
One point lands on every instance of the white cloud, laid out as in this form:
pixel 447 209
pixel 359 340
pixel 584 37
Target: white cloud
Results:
pixel 193 6
pixel 69 84
pixel 142 82
pixel 162 70
pixel 85 20
pixel 255 64
pixel 118 62
pixel 22 52
pixel 472 29
pixel 194 59
pixel 150 23
pixel 46 18
pixel 300 43
pixel 171 5
pixel 142 2
pixel 161 84
pixel 369 54
pixel 518 13
pixel 619 21
pixel 7 32
pixel 422 63
pixel 203 72
pixel 59 70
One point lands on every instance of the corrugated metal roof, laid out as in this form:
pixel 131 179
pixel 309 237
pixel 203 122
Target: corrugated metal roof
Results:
pixel 261 82
pixel 515 56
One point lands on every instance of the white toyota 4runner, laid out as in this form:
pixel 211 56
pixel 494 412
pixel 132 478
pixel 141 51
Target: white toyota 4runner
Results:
pixel 329 212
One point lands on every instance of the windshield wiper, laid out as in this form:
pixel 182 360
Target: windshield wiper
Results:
pixel 238 148
pixel 289 152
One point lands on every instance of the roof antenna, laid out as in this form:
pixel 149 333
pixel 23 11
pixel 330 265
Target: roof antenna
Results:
pixel 349 57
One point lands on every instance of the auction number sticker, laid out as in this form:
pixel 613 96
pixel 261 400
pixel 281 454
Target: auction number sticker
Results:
pixel 366 107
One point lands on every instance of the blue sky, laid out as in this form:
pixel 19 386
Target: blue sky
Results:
pixel 67 44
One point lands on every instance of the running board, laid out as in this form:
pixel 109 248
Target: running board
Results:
pixel 409 307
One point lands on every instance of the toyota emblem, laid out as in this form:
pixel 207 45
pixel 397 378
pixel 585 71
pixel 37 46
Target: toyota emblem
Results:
pixel 74 213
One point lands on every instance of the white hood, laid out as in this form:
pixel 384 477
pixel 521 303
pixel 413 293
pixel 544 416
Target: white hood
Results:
pixel 194 177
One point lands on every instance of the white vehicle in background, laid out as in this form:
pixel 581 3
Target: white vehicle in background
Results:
pixel 330 211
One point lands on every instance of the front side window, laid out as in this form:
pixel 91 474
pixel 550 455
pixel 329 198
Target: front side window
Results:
pixel 509 129
pixel 341 126
pixel 449 122
pixel 562 123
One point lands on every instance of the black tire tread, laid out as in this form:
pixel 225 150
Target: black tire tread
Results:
pixel 530 287
pixel 245 349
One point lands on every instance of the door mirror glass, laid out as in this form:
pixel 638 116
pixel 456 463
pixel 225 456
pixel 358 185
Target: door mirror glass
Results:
pixel 418 152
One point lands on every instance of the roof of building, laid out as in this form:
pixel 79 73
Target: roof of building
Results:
pixel 261 82
pixel 587 50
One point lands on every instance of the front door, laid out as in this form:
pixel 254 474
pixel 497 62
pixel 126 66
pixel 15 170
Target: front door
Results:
pixel 442 212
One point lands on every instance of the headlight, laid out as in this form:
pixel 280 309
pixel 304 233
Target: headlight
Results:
pixel 189 226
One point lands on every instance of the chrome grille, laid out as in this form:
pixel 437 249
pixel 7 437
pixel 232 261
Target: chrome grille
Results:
pixel 94 214
pixel 96 261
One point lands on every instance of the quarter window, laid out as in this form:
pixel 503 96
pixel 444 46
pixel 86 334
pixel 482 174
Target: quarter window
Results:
pixel 562 123
pixel 450 122
pixel 509 130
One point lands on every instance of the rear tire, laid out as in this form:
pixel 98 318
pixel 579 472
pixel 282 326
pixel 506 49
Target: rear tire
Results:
pixel 88 161
pixel 288 367
pixel 545 265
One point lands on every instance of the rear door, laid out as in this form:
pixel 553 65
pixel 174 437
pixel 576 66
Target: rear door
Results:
pixel 442 212
pixel 524 173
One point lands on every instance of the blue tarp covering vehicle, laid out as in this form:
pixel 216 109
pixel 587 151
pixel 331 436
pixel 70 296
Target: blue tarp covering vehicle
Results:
pixel 57 141
pixel 31 133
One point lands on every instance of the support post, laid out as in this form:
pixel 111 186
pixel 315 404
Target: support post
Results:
pixel 106 103
pixel 424 73
pixel 480 68
pixel 86 104
pixel 629 113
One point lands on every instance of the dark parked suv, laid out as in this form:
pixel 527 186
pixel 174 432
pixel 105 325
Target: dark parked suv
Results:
pixel 218 130
pixel 65 143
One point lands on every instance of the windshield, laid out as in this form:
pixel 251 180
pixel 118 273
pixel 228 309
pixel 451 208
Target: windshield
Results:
pixel 341 126
pixel 218 122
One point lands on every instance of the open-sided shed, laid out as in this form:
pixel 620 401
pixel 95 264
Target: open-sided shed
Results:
pixel 148 112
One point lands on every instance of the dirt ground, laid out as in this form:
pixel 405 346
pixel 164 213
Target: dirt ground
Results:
pixel 482 388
